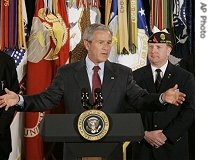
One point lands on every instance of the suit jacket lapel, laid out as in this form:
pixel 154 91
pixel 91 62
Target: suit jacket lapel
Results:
pixel 168 78
pixel 109 80
pixel 148 79
pixel 81 76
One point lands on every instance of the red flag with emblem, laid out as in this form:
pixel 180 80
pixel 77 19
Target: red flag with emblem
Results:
pixel 46 53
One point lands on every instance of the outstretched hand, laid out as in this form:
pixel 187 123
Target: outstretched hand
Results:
pixel 9 99
pixel 173 96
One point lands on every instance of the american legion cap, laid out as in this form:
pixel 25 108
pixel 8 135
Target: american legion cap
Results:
pixel 160 36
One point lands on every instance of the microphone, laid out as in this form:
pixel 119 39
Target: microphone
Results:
pixel 98 98
pixel 85 98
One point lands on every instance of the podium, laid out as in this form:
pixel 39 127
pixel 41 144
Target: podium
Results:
pixel 63 128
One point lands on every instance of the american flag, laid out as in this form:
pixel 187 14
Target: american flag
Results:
pixel 141 18
pixel 17 54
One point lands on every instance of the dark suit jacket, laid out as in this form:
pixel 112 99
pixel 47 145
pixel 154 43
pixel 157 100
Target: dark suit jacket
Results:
pixel 118 89
pixel 174 121
pixel 8 78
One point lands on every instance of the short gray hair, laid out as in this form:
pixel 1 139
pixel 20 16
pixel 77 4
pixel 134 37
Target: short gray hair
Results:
pixel 88 33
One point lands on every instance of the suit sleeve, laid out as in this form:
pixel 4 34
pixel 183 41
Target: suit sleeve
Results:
pixel 140 99
pixel 47 99
pixel 11 82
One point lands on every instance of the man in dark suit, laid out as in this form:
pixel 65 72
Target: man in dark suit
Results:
pixel 166 132
pixel 8 79
pixel 118 87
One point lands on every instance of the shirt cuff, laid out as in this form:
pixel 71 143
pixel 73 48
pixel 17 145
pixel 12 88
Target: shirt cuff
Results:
pixel 161 100
pixel 20 103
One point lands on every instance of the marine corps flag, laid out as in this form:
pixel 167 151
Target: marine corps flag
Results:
pixel 48 48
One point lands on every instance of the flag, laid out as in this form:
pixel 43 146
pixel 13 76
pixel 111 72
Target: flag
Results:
pixel 176 17
pixel 112 19
pixel 142 35
pixel 123 29
pixel 48 48
pixel 80 15
pixel 161 11
pixel 138 30
pixel 182 29
pixel 4 22
pixel 12 41
pixel 20 57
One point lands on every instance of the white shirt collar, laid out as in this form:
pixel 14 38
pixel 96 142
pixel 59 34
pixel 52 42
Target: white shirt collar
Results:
pixel 90 65
pixel 163 69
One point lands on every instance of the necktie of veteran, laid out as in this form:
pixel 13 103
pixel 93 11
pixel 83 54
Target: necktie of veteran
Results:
pixel 96 82
pixel 158 79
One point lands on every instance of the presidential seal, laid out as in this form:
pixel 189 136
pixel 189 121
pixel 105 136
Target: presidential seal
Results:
pixel 93 124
